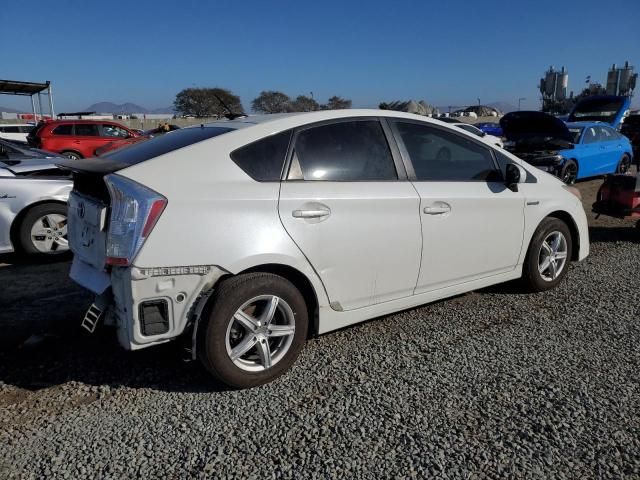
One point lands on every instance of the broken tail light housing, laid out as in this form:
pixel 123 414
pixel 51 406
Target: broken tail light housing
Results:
pixel 135 210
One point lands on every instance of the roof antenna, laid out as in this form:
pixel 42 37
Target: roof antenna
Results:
pixel 230 115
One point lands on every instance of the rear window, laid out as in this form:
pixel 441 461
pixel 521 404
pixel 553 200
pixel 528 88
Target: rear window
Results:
pixel 142 151
pixel 63 130
pixel 263 160
pixel 86 130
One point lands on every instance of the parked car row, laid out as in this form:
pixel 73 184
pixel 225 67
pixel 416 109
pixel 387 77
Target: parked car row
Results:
pixel 269 229
pixel 586 145
pixel 77 139
pixel 33 201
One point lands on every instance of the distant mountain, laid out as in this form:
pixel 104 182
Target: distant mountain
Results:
pixel 11 110
pixel 162 110
pixel 127 108
pixel 504 107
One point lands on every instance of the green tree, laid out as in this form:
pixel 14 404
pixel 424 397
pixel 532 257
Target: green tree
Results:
pixel 204 102
pixel 337 103
pixel 270 101
pixel 303 103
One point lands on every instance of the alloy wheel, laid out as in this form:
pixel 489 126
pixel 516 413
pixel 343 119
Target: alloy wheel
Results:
pixel 260 333
pixel 552 257
pixel 49 234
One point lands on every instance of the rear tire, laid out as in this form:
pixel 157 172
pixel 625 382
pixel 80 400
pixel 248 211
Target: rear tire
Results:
pixel 238 334
pixel 625 164
pixel 43 230
pixel 547 263
pixel 72 155
pixel 569 172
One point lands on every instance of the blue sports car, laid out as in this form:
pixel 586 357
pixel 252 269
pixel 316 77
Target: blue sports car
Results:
pixel 587 145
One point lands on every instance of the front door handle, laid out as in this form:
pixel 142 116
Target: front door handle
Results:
pixel 438 208
pixel 312 213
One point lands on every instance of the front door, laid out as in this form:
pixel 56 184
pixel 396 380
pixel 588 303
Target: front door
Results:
pixel 472 225
pixel 351 215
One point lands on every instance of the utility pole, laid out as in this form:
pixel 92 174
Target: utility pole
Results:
pixel 520 101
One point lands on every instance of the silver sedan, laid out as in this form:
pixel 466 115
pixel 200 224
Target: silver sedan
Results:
pixel 33 206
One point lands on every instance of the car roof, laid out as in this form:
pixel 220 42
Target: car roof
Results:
pixel 55 122
pixel 289 120
pixel 587 124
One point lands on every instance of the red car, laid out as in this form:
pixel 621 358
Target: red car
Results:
pixel 78 138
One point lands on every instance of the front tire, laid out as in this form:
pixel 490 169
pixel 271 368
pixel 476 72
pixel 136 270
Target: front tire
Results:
pixel 569 172
pixel 625 164
pixel 548 256
pixel 43 230
pixel 254 329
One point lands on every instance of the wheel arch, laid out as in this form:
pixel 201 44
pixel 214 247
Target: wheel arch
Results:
pixel 300 281
pixel 71 150
pixel 15 224
pixel 573 229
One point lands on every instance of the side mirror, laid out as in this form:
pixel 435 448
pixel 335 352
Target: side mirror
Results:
pixel 512 177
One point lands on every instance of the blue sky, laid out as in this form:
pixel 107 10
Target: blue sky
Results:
pixel 445 52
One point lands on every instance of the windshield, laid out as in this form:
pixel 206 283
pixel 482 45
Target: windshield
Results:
pixel 576 133
pixel 154 147
pixel 597 109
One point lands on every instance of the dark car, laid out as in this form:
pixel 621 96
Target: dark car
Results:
pixel 15 152
pixel 631 129
pixel 78 138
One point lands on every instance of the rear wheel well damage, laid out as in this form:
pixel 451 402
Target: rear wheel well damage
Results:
pixel 573 229
pixel 297 278
pixel 301 282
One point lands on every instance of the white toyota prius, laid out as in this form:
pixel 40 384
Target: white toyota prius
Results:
pixel 244 237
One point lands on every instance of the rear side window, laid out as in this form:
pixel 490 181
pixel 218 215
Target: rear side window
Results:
pixel 26 129
pixel 441 156
pixel 144 150
pixel 343 151
pixel 86 130
pixel 11 129
pixel 263 160
pixel 63 130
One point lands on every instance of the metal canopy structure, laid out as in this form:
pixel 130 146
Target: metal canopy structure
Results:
pixel 29 89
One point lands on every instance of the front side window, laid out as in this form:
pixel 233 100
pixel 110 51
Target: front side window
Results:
pixel 11 129
pixel 263 160
pixel 441 156
pixel 63 130
pixel 114 131
pixel 86 130
pixel 344 151
pixel 590 135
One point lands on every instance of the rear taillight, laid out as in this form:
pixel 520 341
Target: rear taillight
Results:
pixel 135 209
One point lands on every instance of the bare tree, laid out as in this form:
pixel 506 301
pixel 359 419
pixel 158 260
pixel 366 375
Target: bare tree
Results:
pixel 303 103
pixel 205 102
pixel 270 101
pixel 337 103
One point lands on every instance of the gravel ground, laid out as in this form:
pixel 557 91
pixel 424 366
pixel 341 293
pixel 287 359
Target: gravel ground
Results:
pixel 492 384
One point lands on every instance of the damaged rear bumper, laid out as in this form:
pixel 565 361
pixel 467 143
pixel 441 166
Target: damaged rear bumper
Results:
pixel 148 306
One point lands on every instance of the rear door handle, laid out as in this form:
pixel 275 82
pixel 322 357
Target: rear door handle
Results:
pixel 312 213
pixel 439 208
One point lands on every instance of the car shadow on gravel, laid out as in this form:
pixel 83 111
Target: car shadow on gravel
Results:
pixel 42 344
pixel 629 234
pixel 51 359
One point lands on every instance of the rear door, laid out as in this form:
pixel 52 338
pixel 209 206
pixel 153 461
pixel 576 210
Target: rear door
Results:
pixel 86 138
pixel 472 225
pixel 346 203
